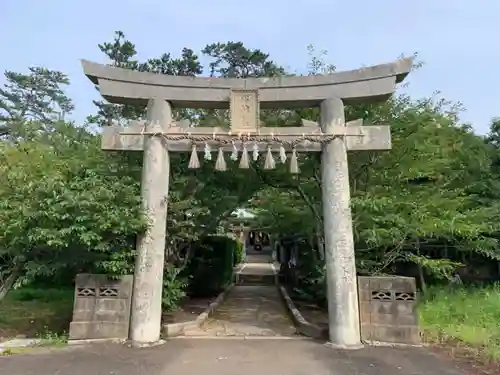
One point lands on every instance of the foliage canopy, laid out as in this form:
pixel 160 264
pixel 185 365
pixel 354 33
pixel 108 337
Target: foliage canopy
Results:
pixel 66 206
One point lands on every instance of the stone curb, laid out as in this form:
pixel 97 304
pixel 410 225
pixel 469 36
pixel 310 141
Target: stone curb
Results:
pixel 237 271
pixel 303 326
pixel 18 343
pixel 97 341
pixel 177 329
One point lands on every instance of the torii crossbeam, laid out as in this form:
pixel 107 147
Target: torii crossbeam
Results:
pixel 245 133
pixel 358 137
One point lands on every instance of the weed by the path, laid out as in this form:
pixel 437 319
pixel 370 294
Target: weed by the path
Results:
pixel 470 315
pixel 49 338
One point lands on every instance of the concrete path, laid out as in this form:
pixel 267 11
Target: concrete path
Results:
pixel 229 357
pixel 249 311
pixel 255 310
pixel 259 262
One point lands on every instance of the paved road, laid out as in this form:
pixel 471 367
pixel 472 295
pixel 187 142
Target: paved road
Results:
pixel 271 348
pixel 228 357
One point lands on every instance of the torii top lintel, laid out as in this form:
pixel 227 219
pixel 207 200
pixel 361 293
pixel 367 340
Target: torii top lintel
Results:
pixel 369 84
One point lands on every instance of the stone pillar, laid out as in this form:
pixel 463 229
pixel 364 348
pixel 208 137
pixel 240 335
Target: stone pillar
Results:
pixel 146 314
pixel 246 234
pixel 242 239
pixel 342 291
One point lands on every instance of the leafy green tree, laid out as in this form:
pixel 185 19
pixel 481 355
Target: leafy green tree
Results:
pixel 234 60
pixel 38 95
pixel 65 206
pixel 431 202
pixel 494 133
pixel 431 194
pixel 121 54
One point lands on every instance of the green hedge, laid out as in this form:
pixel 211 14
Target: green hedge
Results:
pixel 211 268
pixel 239 253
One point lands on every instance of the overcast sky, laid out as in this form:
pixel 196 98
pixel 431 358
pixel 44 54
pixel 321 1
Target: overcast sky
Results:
pixel 458 40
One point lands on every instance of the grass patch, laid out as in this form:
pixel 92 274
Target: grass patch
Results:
pixel 469 315
pixel 43 313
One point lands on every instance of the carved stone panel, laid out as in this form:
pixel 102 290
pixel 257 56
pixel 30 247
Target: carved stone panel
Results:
pixel 102 307
pixel 244 108
pixel 388 309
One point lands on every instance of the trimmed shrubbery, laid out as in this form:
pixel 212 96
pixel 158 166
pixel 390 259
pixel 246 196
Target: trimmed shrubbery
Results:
pixel 211 268
pixel 239 253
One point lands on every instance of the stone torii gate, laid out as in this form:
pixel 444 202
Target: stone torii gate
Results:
pixel 333 137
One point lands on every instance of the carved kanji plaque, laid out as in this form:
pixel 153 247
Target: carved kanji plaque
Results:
pixel 244 108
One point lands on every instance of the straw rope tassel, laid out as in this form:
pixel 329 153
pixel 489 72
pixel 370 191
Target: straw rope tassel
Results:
pixel 294 163
pixel 269 162
pixel 282 154
pixel 194 162
pixel 208 152
pixel 244 161
pixel 220 163
pixel 255 152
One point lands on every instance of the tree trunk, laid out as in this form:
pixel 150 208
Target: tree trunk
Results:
pixel 7 285
pixel 421 274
